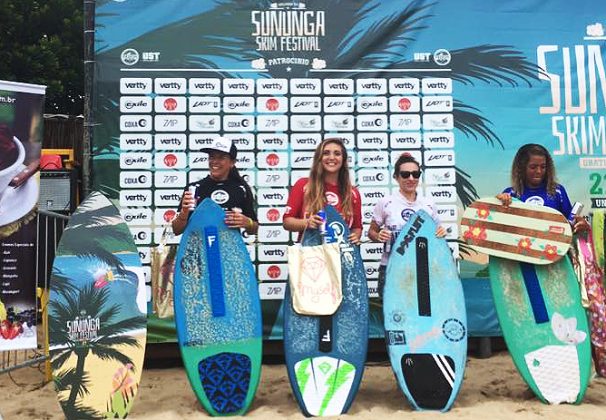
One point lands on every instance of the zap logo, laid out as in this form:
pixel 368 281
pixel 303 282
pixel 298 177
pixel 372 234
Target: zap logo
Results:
pixel 272 159
pixel 169 215
pixel 273 271
pixel 332 198
pixel 170 160
pixel 273 215
pixel 404 104
pixel 170 104
pixel 272 104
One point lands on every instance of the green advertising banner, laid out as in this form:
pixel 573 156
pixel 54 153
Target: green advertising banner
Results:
pixel 459 85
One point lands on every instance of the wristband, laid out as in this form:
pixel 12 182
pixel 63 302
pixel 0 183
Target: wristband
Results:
pixel 251 224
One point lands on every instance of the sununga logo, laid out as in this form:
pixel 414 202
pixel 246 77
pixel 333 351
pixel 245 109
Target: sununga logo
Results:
pixel 273 271
pixel 410 235
pixel 170 104
pixel 441 57
pixel 220 196
pixel 129 57
pixel 85 327
pixel 169 215
pixel 273 215
pixel 272 104
pixel 288 27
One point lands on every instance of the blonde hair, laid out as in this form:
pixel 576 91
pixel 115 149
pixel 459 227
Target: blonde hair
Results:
pixel 520 162
pixel 315 195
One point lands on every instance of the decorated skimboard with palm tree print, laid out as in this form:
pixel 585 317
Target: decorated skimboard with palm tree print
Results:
pixel 218 313
pixel 97 314
pixel 544 325
pixel 520 231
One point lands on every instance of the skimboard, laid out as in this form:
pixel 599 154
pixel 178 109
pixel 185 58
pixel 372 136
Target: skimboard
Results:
pixel 520 231
pixel 97 314
pixel 325 355
pixel 217 313
pixel 597 228
pixel 591 275
pixel 425 318
pixel 544 326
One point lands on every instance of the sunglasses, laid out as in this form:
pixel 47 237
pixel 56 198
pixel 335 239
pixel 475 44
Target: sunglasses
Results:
pixel 407 174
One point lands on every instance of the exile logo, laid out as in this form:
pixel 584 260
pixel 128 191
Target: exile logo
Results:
pixel 273 215
pixel 273 271
pixel 170 160
pixel 272 104
pixel 170 104
pixel 169 215
pixel 404 104
pixel 272 159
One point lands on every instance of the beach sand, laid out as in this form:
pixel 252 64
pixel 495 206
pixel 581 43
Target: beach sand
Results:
pixel 492 389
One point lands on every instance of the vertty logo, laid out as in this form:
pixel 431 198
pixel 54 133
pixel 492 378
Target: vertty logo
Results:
pixel 405 140
pixel 135 86
pixel 371 251
pixel 338 86
pixel 273 252
pixel 163 85
pixel 371 86
pixel 305 86
pixel 135 198
pixel 204 86
pixel 277 141
pixel 167 198
pixel 436 85
pixel 135 141
pixel 238 86
pixel 438 139
pixel 272 86
pixel 372 140
pixel 443 194
pixel 373 195
pixel 200 141
pixel 170 141
pixel 305 141
pixel 272 197
pixel 243 141
pixel 404 86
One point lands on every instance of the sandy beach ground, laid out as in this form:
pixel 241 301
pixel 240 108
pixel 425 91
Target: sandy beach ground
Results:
pixel 492 389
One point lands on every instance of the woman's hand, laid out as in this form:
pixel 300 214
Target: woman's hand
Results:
pixel 580 224
pixel 188 203
pixel 354 236
pixel 505 198
pixel 384 235
pixel 235 219
pixel 314 222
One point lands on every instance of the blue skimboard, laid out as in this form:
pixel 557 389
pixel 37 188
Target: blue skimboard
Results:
pixel 425 318
pixel 217 313
pixel 325 355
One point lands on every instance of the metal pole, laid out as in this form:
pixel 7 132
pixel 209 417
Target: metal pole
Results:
pixel 89 69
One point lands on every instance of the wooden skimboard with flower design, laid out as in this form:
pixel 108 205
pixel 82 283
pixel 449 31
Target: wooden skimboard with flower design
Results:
pixel 218 313
pixel 520 231
pixel 97 314
pixel 544 325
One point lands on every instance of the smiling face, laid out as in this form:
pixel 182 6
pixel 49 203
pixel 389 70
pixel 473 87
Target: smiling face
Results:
pixel 332 158
pixel 536 169
pixel 219 164
pixel 408 185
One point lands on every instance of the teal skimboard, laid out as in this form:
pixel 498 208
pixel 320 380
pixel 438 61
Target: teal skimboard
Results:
pixel 544 325
pixel 97 314
pixel 425 318
pixel 217 313
pixel 325 355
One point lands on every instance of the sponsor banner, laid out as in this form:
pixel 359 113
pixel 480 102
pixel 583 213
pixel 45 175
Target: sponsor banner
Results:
pixel 144 254
pixel 170 237
pixel 272 178
pixel 137 217
pixel 273 271
pixel 170 141
pixel 136 141
pixel 272 291
pixel 273 252
pixel 163 216
pixel 272 197
pixel 270 215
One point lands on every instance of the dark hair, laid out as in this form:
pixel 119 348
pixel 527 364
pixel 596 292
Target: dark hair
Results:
pixel 520 162
pixel 234 175
pixel 404 158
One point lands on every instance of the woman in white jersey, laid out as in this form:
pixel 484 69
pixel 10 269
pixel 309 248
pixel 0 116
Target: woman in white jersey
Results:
pixel 391 213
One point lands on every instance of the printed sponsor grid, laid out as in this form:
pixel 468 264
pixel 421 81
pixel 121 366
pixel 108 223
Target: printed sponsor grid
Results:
pixel 277 124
